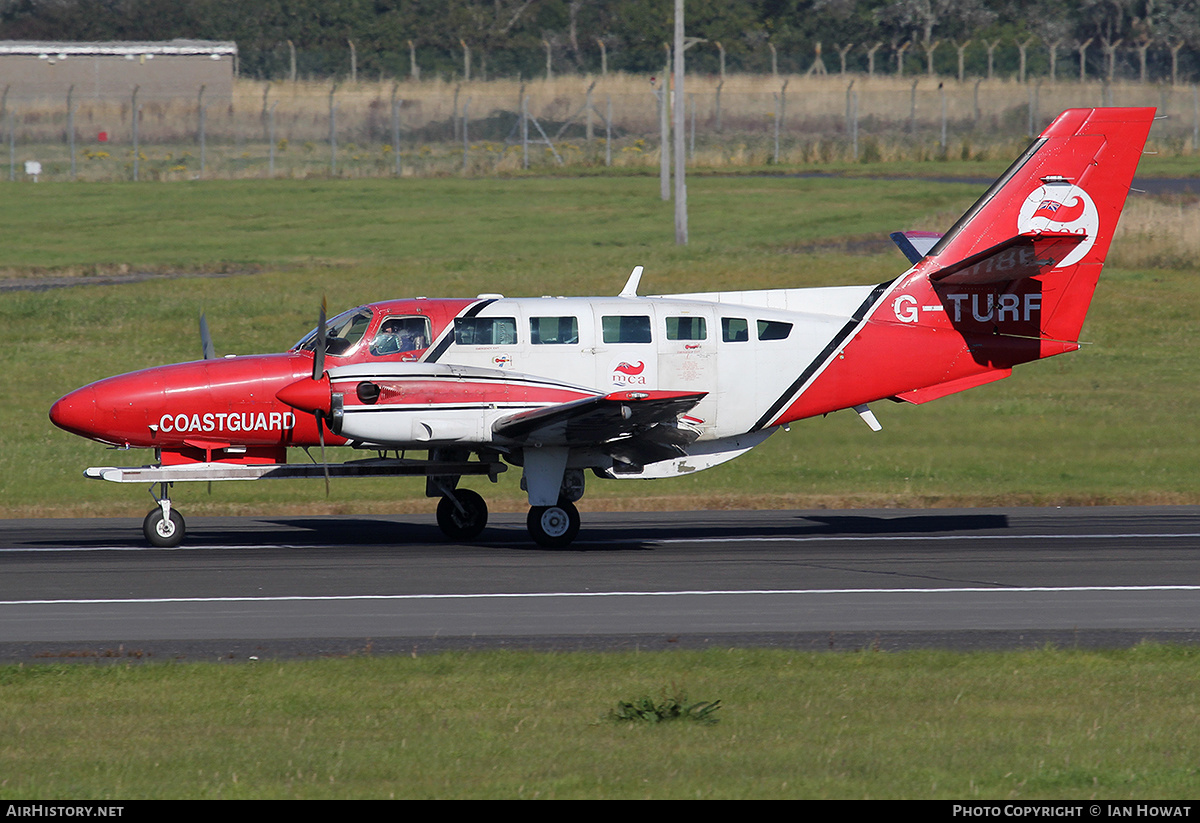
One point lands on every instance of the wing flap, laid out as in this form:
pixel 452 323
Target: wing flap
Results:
pixel 629 422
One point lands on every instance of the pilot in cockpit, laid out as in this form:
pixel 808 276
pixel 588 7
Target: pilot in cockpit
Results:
pixel 397 335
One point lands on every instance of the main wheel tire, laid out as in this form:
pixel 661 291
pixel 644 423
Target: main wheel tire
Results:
pixel 554 527
pixel 466 524
pixel 163 532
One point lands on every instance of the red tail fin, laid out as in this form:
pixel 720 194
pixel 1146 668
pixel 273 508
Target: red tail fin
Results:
pixel 1050 216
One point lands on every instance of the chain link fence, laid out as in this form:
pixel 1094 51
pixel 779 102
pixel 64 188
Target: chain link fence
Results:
pixel 310 129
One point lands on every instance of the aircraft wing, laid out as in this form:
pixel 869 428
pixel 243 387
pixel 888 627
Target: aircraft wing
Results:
pixel 639 427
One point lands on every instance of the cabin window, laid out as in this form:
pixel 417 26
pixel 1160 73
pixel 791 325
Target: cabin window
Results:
pixel 400 334
pixel 554 331
pixel 626 328
pixel 485 331
pixel 686 328
pixel 773 330
pixel 735 330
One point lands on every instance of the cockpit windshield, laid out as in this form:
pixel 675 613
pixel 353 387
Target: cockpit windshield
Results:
pixel 342 333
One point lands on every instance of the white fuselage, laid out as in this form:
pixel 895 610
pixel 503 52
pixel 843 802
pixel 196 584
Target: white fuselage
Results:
pixel 744 348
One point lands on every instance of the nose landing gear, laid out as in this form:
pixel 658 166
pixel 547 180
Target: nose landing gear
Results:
pixel 163 527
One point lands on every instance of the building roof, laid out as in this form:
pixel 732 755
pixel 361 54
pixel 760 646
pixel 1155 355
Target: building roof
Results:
pixel 63 49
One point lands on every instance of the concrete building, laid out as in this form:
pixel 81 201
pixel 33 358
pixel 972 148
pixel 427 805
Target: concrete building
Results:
pixel 31 70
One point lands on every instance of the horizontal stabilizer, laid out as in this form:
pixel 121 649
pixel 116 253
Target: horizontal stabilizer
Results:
pixel 1025 255
pixel 915 244
pixel 924 395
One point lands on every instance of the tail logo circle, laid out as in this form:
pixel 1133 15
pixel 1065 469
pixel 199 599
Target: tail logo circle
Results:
pixel 1061 207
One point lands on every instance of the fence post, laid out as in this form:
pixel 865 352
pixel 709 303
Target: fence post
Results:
pixel 134 114
pixel 466 139
pixel 780 113
pixel 775 155
pixel 12 149
pixel 524 130
pixel 912 108
pixel 692 135
pixel 664 137
pixel 942 94
pixel 332 131
pixel 719 85
pixel 854 121
pixel 454 117
pixel 396 129
pixel 271 140
pixel 201 111
pixel 588 105
pixel 71 126
pixel 608 133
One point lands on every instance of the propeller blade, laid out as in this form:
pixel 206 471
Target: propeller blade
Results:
pixel 206 343
pixel 322 342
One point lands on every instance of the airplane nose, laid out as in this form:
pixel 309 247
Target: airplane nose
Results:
pixel 76 412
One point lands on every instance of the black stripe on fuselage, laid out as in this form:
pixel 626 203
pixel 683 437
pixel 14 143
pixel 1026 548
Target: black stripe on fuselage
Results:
pixel 829 351
pixel 448 337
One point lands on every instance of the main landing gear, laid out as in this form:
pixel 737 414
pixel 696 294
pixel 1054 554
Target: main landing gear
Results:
pixel 462 514
pixel 553 520
pixel 553 526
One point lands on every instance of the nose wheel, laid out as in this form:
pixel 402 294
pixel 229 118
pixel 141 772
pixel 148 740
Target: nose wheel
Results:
pixel 164 530
pixel 163 526
pixel 554 526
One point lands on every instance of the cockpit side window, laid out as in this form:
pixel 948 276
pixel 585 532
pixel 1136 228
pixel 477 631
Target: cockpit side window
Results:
pixel 397 335
pixel 342 333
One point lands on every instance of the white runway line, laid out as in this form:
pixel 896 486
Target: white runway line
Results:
pixel 544 595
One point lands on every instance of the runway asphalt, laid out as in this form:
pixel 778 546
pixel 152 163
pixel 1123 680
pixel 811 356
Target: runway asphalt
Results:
pixel 840 580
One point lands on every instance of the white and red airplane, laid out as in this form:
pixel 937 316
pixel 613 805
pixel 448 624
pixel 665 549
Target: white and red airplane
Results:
pixel 633 386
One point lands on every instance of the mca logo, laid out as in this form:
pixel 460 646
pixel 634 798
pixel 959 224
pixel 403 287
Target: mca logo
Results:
pixel 629 374
pixel 1058 205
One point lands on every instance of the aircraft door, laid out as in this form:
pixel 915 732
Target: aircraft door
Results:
pixel 736 370
pixel 626 357
pixel 559 341
pixel 687 356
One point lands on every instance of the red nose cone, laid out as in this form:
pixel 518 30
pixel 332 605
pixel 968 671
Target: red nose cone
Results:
pixel 76 412
pixel 307 395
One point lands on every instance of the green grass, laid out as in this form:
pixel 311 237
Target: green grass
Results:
pixel 1104 425
pixel 1048 724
